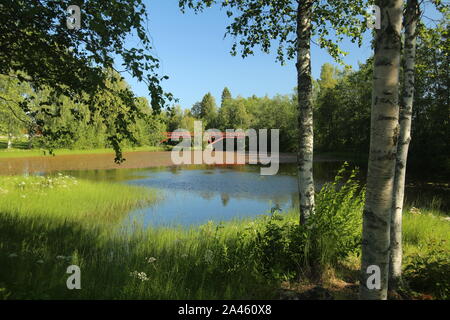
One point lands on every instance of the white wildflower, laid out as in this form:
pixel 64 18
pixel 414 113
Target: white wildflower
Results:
pixel 140 275
pixel 151 260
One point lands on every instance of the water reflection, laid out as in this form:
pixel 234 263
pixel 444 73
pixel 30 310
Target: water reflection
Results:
pixel 192 195
pixel 198 193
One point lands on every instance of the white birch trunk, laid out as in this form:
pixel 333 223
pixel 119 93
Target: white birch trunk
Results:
pixel 9 140
pixel 305 107
pixel 406 106
pixel 382 156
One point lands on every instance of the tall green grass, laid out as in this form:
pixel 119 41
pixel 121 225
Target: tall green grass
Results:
pixel 47 224
pixel 63 197
pixel 426 237
pixel 423 226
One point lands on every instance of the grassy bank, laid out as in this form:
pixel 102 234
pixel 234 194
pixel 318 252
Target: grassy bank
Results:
pixel 20 150
pixel 19 153
pixel 45 226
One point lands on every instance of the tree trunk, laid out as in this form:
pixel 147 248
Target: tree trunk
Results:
pixel 382 156
pixel 406 106
pixel 305 108
pixel 9 140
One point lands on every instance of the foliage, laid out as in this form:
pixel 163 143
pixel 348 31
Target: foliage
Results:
pixel 279 112
pixel 234 115
pixel 263 23
pixel 208 110
pixel 428 270
pixel 288 250
pixel 38 48
pixel 78 126
pixel 343 108
pixel 13 120
pixel 226 94
pixel 430 124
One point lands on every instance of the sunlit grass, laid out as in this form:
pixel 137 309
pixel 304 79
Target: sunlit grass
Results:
pixel 19 151
pixel 423 226
pixel 64 197
pixel 47 224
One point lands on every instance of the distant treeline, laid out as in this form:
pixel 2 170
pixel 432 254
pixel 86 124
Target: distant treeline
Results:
pixel 342 108
pixel 342 102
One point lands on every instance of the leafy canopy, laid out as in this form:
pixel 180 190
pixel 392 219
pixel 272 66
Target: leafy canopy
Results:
pixel 268 23
pixel 37 47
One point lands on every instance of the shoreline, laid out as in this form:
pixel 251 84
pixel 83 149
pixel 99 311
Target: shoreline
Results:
pixel 98 161
pixel 105 161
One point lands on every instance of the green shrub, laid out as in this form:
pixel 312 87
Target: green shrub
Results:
pixel 334 231
pixel 284 248
pixel 429 270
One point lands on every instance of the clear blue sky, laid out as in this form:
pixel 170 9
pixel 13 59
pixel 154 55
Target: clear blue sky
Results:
pixel 194 54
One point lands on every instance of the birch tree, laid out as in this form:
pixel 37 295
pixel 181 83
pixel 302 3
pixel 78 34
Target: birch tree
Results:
pixel 411 32
pixel 305 110
pixel 293 24
pixel 382 156
pixel 406 106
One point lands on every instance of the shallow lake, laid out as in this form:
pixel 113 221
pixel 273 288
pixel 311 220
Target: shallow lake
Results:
pixel 194 195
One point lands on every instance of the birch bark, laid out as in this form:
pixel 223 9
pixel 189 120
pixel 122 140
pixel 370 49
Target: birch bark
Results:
pixel 406 107
pixel 305 106
pixel 382 156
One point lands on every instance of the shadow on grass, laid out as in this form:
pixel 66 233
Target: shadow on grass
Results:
pixel 35 253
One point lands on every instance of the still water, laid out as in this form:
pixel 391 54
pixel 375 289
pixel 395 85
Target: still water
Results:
pixel 194 195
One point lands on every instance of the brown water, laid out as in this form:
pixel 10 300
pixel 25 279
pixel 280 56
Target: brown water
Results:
pixel 134 160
